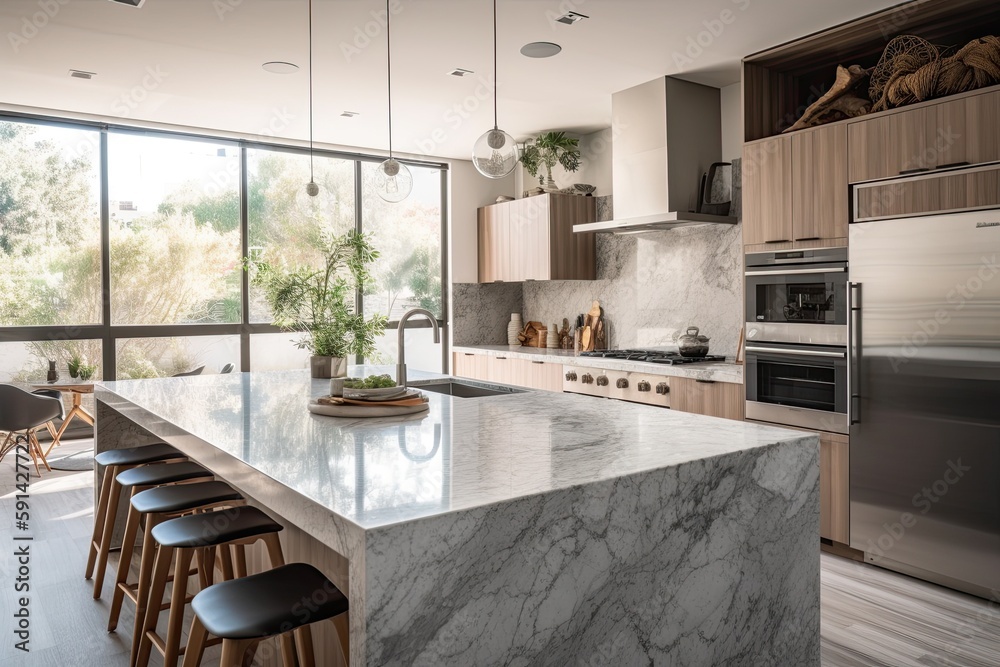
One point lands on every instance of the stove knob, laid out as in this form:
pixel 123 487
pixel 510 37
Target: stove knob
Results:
pixel 571 376
pixel 602 381
pixel 663 388
pixel 644 386
pixel 587 378
pixel 622 383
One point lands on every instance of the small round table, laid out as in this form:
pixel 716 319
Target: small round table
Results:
pixel 77 389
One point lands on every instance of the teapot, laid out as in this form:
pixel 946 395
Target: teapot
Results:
pixel 691 344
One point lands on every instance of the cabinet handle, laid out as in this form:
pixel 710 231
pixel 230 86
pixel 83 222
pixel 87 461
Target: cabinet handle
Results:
pixel 502 358
pixel 469 354
pixel 705 381
pixel 809 238
pixel 538 362
pixel 779 241
pixel 963 163
pixel 918 170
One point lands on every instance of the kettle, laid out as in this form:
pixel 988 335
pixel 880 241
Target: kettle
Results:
pixel 691 344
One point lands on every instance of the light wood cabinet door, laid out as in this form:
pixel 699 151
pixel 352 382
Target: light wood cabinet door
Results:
pixel 572 256
pixel 469 365
pixel 502 369
pixel 835 487
pixel 529 225
pixel 767 200
pixel 893 144
pixel 820 193
pixel 545 376
pixel 714 399
pixel 495 261
pixel 968 130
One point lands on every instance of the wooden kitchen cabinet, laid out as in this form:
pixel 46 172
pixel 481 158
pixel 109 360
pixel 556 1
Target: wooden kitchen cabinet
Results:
pixel 767 195
pixel 835 487
pixel 533 239
pixel 820 193
pixel 714 399
pixel 472 366
pixel 542 375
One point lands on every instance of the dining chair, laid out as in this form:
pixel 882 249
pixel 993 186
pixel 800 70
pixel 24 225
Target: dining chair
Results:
pixel 196 371
pixel 56 394
pixel 228 368
pixel 21 410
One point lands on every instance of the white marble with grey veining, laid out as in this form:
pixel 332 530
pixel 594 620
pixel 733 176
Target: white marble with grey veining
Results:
pixel 510 530
pixel 481 312
pixel 712 371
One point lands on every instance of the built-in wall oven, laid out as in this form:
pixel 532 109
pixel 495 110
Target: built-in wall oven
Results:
pixel 796 338
pixel 797 296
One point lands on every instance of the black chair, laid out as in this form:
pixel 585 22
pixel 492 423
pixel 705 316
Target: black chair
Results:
pixel 196 371
pixel 21 410
pixel 56 394
pixel 228 368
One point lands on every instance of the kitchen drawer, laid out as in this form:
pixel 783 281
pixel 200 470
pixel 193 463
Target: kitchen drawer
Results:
pixel 714 399
pixel 937 192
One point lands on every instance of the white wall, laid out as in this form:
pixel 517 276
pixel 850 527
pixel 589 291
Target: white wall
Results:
pixel 469 190
pixel 732 122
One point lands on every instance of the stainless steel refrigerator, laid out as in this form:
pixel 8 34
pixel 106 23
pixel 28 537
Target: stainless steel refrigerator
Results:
pixel 925 386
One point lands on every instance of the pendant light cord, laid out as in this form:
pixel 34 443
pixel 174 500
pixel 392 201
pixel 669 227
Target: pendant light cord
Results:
pixel 388 69
pixel 311 179
pixel 495 126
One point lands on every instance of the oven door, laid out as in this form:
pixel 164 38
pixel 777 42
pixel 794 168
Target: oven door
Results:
pixel 798 385
pixel 800 303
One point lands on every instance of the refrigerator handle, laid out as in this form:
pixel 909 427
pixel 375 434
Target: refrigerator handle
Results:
pixel 854 353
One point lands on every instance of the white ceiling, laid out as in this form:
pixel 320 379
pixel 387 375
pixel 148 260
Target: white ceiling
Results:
pixel 208 54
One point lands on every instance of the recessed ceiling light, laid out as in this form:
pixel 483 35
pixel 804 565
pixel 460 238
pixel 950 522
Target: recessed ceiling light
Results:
pixel 569 18
pixel 540 49
pixel 280 67
pixel 80 74
pixel 130 3
pixel 460 71
pixel 349 114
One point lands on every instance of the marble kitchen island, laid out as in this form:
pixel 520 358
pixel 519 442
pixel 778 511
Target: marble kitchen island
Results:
pixel 527 529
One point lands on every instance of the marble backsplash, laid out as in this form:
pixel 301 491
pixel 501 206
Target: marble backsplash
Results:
pixel 652 286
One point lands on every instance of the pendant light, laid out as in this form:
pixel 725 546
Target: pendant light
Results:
pixel 495 153
pixel 392 180
pixel 311 188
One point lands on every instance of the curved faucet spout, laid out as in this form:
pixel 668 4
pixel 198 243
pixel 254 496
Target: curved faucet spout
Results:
pixel 400 347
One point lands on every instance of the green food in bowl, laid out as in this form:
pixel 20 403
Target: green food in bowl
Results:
pixel 371 382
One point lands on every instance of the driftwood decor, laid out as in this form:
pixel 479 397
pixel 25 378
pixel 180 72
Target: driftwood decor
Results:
pixel 840 102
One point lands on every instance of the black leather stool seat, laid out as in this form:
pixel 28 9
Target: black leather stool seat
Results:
pixel 160 451
pixel 269 603
pixel 168 473
pixel 165 499
pixel 214 528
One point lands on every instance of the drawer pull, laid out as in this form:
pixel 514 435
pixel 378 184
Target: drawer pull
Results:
pixel 779 241
pixel 917 170
pixel 963 163
pixel 538 362
pixel 706 381
pixel 809 238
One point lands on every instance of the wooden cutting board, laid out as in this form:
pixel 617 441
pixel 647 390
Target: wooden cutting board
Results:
pixel 333 400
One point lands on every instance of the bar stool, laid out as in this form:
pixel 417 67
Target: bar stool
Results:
pixel 243 612
pixel 181 538
pixel 158 505
pixel 116 461
pixel 138 480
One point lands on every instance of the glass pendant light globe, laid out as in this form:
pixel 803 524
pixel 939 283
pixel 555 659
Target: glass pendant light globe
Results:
pixel 392 181
pixel 312 189
pixel 495 154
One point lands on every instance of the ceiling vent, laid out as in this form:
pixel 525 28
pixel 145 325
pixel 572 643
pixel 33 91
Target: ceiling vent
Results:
pixel 458 71
pixel 570 18
pixel 80 74
pixel 130 3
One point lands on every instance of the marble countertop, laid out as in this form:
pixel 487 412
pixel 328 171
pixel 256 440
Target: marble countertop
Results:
pixel 464 453
pixel 714 371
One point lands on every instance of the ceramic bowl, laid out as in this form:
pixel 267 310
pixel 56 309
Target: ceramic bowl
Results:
pixel 584 188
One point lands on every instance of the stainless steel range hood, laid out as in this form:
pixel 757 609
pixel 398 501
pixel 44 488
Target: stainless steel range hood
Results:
pixel 669 132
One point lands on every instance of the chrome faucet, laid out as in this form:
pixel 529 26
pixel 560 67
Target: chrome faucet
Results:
pixel 400 352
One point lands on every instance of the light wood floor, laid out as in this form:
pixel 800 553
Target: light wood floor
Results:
pixel 870 617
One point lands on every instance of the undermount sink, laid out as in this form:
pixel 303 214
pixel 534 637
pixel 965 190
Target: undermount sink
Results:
pixel 464 388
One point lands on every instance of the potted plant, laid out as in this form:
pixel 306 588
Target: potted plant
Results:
pixel 87 371
pixel 547 150
pixel 74 365
pixel 320 302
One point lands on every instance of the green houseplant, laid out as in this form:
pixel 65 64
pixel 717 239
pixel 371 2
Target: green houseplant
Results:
pixel 547 150
pixel 319 302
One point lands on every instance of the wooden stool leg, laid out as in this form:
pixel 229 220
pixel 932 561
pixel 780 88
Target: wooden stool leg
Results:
pixel 124 563
pixel 226 560
pixel 196 643
pixel 274 554
pixel 109 530
pixel 208 560
pixel 303 637
pixel 239 560
pixel 99 515
pixel 203 573
pixel 342 624
pixel 238 652
pixel 38 449
pixel 149 552
pixel 175 620
pixel 142 645
pixel 34 457
pixel 287 642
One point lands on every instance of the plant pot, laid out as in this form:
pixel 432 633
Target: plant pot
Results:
pixel 328 367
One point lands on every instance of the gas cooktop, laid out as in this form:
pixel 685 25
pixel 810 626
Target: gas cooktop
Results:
pixel 668 357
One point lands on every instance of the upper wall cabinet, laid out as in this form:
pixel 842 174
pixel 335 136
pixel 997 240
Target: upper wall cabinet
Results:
pixel 795 191
pixel 965 130
pixel 533 239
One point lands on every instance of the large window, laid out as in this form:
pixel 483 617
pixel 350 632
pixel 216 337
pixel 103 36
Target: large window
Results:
pixel 135 263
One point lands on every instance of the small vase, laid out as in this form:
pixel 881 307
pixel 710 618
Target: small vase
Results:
pixel 327 367
pixel 514 328
pixel 552 341
pixel 53 374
